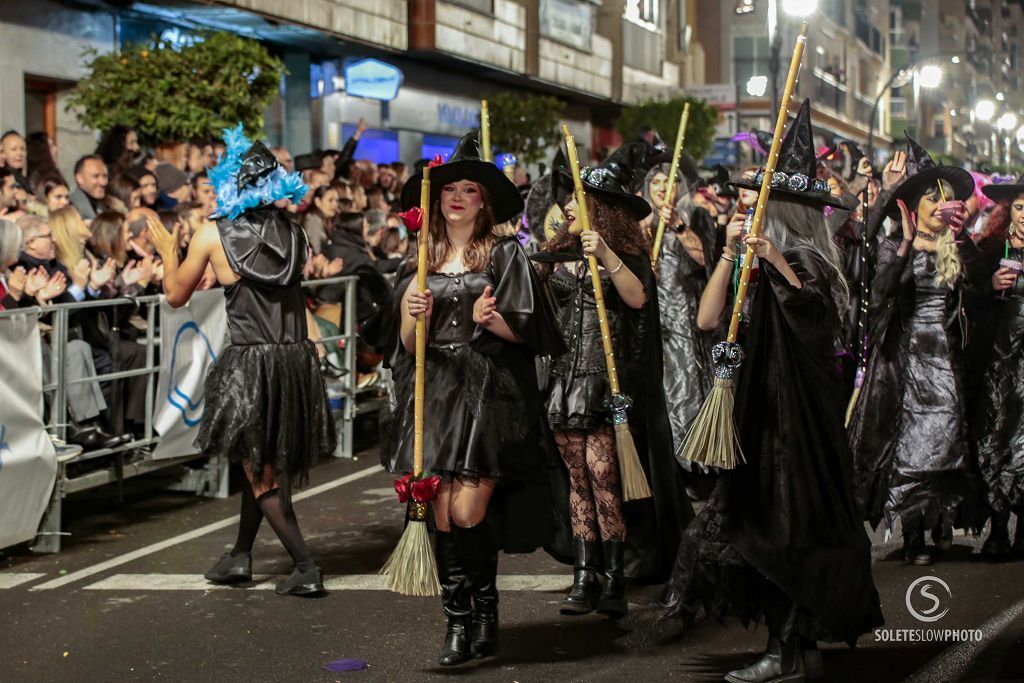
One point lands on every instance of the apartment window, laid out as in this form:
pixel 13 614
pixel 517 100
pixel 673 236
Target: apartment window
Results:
pixel 643 13
pixel 482 6
pixel 896 34
pixel 567 21
pixel 643 48
pixel 751 57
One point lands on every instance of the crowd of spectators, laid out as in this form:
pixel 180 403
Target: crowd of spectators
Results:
pixel 85 238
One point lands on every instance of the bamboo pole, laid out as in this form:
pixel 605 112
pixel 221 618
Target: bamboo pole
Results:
pixel 412 568
pixel 670 191
pixel 713 439
pixel 485 131
pixel 634 481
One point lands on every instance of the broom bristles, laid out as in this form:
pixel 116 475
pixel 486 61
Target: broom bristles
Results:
pixel 634 481
pixel 412 569
pixel 712 439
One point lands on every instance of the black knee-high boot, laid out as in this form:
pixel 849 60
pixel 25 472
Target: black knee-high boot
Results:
pixel 479 549
pixel 997 545
pixel 613 596
pixel 586 586
pixel 454 599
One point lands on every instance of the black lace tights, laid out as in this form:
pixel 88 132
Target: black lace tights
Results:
pixel 595 499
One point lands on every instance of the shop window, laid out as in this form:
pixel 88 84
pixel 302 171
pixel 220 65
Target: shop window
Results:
pixel 482 6
pixel 379 146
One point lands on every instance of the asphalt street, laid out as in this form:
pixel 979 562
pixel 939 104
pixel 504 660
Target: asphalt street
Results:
pixel 125 601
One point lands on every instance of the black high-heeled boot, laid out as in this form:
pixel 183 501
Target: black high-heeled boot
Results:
pixel 781 661
pixel 997 545
pixel 454 599
pixel 479 550
pixel 586 586
pixel 613 596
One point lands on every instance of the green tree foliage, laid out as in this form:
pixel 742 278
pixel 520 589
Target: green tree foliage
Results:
pixel 525 125
pixel 663 116
pixel 172 93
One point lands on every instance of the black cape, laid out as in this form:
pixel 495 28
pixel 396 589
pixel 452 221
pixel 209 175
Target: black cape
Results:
pixel 653 526
pixel 787 516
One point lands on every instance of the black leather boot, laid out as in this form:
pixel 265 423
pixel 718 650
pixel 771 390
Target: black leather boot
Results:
pixel 454 599
pixel 479 550
pixel 231 569
pixel 304 582
pixel 613 596
pixel 997 545
pixel 586 586
pixel 780 662
pixel 813 667
pixel 915 551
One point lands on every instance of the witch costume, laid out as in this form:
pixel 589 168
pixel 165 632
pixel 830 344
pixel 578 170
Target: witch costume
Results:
pixel 266 402
pixel 909 431
pixel 781 538
pixel 997 421
pixel 639 539
pixel 483 412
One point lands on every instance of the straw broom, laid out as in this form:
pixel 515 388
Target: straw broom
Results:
pixel 634 481
pixel 670 192
pixel 412 569
pixel 713 439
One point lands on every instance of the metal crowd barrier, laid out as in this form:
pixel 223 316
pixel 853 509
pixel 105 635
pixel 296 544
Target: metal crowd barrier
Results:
pixel 213 479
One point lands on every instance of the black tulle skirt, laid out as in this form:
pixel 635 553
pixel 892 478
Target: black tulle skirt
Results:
pixel 266 405
pixel 578 403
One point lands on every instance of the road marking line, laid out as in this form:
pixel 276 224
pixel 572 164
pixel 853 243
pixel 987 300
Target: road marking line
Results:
pixel 953 662
pixel 351 582
pixel 12 579
pixel 192 535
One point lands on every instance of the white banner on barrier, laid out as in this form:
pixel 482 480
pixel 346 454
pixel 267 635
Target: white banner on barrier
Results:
pixel 28 464
pixel 191 338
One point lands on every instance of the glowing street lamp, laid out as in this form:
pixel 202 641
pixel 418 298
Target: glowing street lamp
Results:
pixel 757 86
pixel 930 76
pixel 799 8
pixel 985 110
pixel 1007 122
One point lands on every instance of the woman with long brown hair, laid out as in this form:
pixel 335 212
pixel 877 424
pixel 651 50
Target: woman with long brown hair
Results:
pixel 639 542
pixel 997 423
pixel 487 319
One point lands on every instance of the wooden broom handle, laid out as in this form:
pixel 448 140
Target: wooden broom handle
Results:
pixel 671 190
pixel 766 186
pixel 595 276
pixel 421 327
pixel 485 131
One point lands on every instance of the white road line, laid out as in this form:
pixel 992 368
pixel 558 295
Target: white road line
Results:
pixel 12 579
pixel 191 535
pixel 352 582
pixel 954 662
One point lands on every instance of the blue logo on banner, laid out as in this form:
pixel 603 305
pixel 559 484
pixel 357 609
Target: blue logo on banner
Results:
pixel 175 396
pixel 4 446
pixel 373 79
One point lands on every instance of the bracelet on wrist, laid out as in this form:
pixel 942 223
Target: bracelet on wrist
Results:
pixel 730 259
pixel 616 269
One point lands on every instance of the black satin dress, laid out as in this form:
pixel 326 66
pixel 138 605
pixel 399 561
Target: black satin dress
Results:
pixel 781 537
pixel 578 388
pixel 266 402
pixel 483 416
pixel 689 374
pixel 998 419
pixel 909 432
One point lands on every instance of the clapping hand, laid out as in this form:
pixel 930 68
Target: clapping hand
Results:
pixel 80 273
pixel 909 222
pixel 36 280
pixel 102 275
pixel 53 288
pixel 895 171
pixel 333 267
pixel 16 282
pixel 166 243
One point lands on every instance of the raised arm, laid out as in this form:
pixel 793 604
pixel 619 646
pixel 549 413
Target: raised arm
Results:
pixel 181 279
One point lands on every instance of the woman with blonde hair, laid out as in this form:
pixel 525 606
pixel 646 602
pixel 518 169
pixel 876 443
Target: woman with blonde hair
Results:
pixel 909 431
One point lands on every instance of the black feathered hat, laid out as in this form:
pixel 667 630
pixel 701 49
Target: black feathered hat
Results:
pixel 796 173
pixel 466 163
pixel 922 172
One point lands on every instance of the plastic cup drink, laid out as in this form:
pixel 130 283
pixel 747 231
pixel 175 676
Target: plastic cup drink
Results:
pixel 1014 267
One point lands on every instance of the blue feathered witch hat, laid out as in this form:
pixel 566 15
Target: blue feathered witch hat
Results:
pixel 247 176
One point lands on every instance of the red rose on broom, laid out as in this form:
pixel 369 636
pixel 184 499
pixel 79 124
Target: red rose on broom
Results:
pixel 413 219
pixel 421 490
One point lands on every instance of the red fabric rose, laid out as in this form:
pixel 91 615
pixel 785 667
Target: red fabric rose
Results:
pixel 413 219
pixel 425 490
pixel 402 488
pixel 436 161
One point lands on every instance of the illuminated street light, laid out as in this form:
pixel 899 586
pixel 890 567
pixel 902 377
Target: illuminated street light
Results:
pixel 1007 121
pixel 930 76
pixel 955 60
pixel 985 110
pixel 999 96
pixel 799 8
pixel 757 86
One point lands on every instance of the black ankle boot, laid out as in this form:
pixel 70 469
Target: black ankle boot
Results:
pixel 231 569
pixel 997 545
pixel 780 662
pixel 478 549
pixel 304 582
pixel 613 596
pixel 455 600
pixel 915 551
pixel 586 586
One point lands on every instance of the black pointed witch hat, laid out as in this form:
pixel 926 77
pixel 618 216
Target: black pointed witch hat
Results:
pixel 613 179
pixel 796 173
pixel 1004 191
pixel 466 163
pixel 922 173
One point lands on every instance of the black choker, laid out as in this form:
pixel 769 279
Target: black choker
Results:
pixel 927 236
